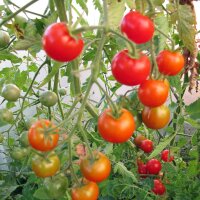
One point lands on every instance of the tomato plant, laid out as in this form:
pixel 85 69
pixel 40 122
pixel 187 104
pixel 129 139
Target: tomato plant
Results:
pixel 146 145
pixel 116 130
pixel 137 27
pixel 10 92
pixel 138 140
pixel 159 187
pixel 166 156
pixel 96 170
pixel 41 138
pixel 153 166
pixel 128 70
pixel 60 45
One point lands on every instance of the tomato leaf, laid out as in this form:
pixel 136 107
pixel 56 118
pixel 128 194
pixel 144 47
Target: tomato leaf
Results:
pixel 41 193
pixel 97 5
pixel 161 146
pixel 193 110
pixel 83 5
pixel 6 55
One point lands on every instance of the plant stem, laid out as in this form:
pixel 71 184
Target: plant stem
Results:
pixel 86 28
pixel 154 66
pixel 76 79
pixel 60 5
pixel 17 12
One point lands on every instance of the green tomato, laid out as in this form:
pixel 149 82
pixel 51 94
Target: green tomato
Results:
pixel 1 138
pixel 20 21
pixel 19 153
pixel 4 39
pixel 10 92
pixel 23 139
pixel 6 116
pixel 48 98
pixel 62 91
pixel 56 186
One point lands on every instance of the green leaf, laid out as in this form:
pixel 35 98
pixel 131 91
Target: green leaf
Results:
pixel 41 193
pixel 193 123
pixel 193 110
pixel 55 69
pixel 121 169
pixel 97 5
pixel 186 26
pixel 161 146
pixel 51 19
pixel 158 2
pixel 115 13
pixel 83 5
pixel 6 55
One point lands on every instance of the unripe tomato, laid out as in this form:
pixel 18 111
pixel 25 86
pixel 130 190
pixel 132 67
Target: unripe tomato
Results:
pixel 62 91
pixel 48 98
pixel 159 187
pixel 138 140
pixel 10 92
pixel 1 138
pixel 166 156
pixel 116 130
pixel 146 145
pixel 19 153
pixel 23 139
pixel 40 138
pixel 60 45
pixel 130 71
pixel 153 93
pixel 20 21
pixel 45 167
pixel 89 191
pixel 153 166
pixel 95 170
pixel 6 116
pixel 157 117
pixel 4 39
pixel 170 63
pixel 137 27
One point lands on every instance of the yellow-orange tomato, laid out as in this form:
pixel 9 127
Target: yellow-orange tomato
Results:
pixel 116 130
pixel 89 191
pixel 157 117
pixel 39 136
pixel 97 170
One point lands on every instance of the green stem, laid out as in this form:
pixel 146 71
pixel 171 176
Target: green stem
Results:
pixel 151 6
pixel 76 79
pixel 51 6
pixel 91 110
pixel 17 12
pixel 86 28
pixel 60 5
pixel 105 9
pixel 154 65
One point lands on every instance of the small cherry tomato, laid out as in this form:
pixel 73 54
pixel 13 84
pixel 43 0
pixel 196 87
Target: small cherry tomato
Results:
pixel 6 116
pixel 95 170
pixel 146 145
pixel 23 139
pixel 41 138
pixel 142 170
pixel 10 92
pixel 153 93
pixel 4 39
pixel 138 140
pixel 157 117
pixel 159 187
pixel 166 156
pixel 48 98
pixel 153 166
pixel 170 63
pixel 116 130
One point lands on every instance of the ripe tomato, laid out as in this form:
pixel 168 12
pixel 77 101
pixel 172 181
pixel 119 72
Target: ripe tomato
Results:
pixel 39 137
pixel 116 130
pixel 137 27
pixel 97 170
pixel 6 116
pixel 153 93
pixel 159 187
pixel 48 98
pixel 130 71
pixel 142 170
pixel 165 156
pixel 59 44
pixel 45 167
pixel 10 92
pixel 170 63
pixel 153 166
pixel 146 145
pixel 4 39
pixel 89 191
pixel 156 118
pixel 138 140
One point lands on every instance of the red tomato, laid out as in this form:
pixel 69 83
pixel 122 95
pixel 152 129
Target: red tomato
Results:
pixel 170 63
pixel 97 170
pixel 138 140
pixel 130 71
pixel 153 166
pixel 137 27
pixel 45 167
pixel 159 187
pixel 60 45
pixel 153 93
pixel 89 191
pixel 40 138
pixel 165 156
pixel 116 130
pixel 142 170
pixel 146 146
pixel 156 118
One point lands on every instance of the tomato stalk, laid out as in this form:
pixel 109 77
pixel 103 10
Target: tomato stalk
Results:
pixel 154 69
pixel 60 5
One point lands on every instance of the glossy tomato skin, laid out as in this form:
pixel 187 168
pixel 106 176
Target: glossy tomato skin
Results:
pixel 153 93
pixel 130 71
pixel 153 166
pixel 10 92
pixel 138 140
pixel 147 146
pixel 157 117
pixel 59 44
pixel 142 170
pixel 165 156
pixel 170 63
pixel 89 191
pixel 116 130
pixel 159 187
pixel 137 27
pixel 97 170
pixel 48 98
pixel 45 167
pixel 40 139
